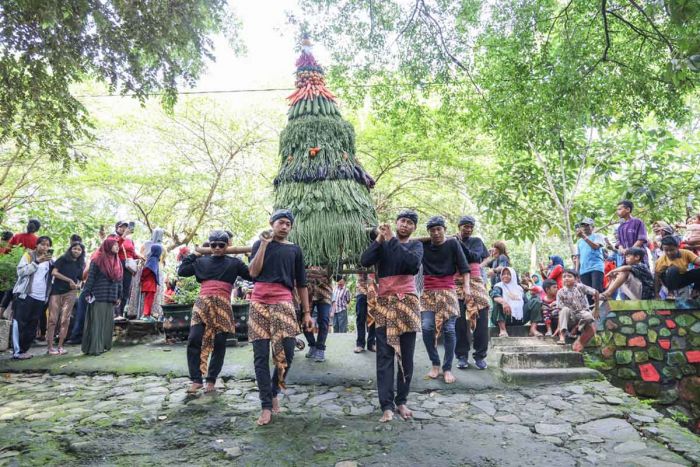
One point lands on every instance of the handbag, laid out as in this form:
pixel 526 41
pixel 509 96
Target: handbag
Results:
pixel 130 263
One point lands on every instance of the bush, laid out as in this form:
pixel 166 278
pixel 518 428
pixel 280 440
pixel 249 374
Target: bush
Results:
pixel 187 290
pixel 8 268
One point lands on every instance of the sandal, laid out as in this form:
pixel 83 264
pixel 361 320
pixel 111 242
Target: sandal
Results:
pixel 52 351
pixel 503 334
pixel 62 351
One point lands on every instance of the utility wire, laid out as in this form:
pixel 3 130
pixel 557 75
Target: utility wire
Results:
pixel 240 91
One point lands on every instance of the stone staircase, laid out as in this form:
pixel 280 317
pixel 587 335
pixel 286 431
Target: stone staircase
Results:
pixel 532 360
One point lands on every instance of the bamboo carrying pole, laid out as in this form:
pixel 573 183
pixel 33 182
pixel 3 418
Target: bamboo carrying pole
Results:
pixel 244 250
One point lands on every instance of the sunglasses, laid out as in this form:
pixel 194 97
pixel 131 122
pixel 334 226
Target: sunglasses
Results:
pixel 217 245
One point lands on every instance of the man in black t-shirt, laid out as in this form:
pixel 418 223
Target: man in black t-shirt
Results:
pixel 472 326
pixel 277 267
pixel 397 320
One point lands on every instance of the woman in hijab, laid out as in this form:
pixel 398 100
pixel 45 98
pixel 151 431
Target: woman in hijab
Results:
pixel 103 290
pixel 554 270
pixel 150 279
pixel 510 306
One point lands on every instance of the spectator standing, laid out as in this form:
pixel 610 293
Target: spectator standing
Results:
pixel 127 251
pixel 339 310
pixel 364 323
pixel 32 291
pixel 498 261
pixel 631 232
pixel 28 239
pixel 67 273
pixel 5 246
pixel 590 246
pixel 103 291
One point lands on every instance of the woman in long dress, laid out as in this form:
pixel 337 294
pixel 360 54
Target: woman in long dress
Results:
pixel 103 290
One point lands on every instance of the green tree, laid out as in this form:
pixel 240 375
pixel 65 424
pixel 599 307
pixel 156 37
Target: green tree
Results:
pixel 140 48
pixel 551 82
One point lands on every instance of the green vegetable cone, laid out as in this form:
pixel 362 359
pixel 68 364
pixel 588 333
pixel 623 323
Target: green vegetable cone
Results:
pixel 320 178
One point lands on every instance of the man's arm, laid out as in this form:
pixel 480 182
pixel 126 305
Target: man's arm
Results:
pixel 641 235
pixel 415 255
pixel 372 254
pixel 186 268
pixel 657 284
pixel 258 255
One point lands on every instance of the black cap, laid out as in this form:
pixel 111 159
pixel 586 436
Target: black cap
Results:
pixel 435 221
pixel 282 214
pixel 464 220
pixel 218 236
pixel 408 214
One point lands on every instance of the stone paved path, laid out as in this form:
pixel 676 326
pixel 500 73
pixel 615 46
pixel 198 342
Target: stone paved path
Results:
pixel 149 420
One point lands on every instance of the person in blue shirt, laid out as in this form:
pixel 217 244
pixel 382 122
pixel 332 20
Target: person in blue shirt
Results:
pixel 590 246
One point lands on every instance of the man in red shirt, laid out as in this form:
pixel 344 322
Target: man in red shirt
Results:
pixel 127 250
pixel 28 239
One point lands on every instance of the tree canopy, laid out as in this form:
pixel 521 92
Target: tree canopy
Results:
pixel 140 48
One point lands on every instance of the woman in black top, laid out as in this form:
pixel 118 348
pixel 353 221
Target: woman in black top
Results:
pixel 67 273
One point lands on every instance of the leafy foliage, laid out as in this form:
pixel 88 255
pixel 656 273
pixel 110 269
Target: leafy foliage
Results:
pixel 141 48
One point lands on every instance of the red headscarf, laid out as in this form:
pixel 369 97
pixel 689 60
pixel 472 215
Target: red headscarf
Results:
pixel 108 261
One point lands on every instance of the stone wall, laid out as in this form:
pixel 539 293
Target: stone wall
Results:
pixel 652 349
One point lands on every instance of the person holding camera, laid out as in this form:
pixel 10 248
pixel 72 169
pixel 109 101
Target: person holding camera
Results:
pixel 32 294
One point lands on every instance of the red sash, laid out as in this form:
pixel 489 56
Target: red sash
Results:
pixel 270 293
pixel 397 285
pixel 438 282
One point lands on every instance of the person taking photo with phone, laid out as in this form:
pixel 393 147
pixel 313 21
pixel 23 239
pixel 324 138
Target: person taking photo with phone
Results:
pixel 32 293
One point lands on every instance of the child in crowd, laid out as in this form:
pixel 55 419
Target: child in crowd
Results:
pixel 634 278
pixel 550 311
pixel 674 271
pixel 692 233
pixel 573 309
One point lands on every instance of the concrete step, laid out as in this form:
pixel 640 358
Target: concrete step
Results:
pixel 516 331
pixel 542 360
pixel 549 375
pixel 530 348
pixel 529 341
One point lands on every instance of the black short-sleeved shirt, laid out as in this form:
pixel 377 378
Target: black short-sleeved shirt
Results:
pixel 393 257
pixel 445 259
pixel 283 264
pixel 220 268
pixel 71 269
pixel 474 249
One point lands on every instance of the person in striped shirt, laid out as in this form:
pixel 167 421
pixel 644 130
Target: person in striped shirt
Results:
pixel 339 309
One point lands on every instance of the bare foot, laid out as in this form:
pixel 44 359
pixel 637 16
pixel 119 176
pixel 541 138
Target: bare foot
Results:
pixel 503 334
pixel 387 416
pixel 265 417
pixel 434 372
pixel 405 412
pixel 577 346
pixel 210 388
pixel 449 377
pixel 194 388
pixel 536 334
pixel 276 405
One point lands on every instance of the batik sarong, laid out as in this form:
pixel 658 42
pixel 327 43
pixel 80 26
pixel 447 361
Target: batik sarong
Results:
pixel 214 312
pixel 274 322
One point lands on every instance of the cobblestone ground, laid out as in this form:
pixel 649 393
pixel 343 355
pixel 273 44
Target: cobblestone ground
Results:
pixel 144 420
